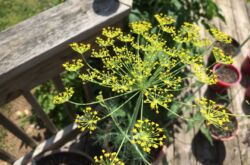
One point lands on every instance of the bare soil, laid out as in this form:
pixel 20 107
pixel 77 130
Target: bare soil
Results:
pixel 226 74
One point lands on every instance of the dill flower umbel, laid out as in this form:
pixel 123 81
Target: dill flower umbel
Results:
pixel 140 27
pixel 80 47
pixel 88 120
pixel 220 36
pixel 111 32
pixel 164 19
pixel 213 113
pixel 221 57
pixel 63 96
pixel 149 65
pixel 204 75
pixel 75 65
pixel 108 159
pixel 148 135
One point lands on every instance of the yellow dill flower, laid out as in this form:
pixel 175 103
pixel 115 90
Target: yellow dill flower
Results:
pixel 220 36
pixel 148 135
pixel 137 46
pixel 111 32
pixel 204 75
pixel 188 33
pixel 213 113
pixel 126 38
pixel 119 50
pixel 75 65
pixel 221 57
pixel 187 57
pixel 80 47
pixel 140 27
pixel 88 120
pixel 102 53
pixel 169 29
pixel 164 20
pixel 63 96
pixel 162 98
pixel 104 43
pixel 202 42
pixel 165 23
pixel 108 158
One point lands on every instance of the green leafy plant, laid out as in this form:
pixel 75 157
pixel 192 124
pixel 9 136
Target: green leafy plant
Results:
pixel 140 75
pixel 44 95
pixel 182 10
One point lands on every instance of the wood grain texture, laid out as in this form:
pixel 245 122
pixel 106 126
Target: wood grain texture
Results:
pixel 32 52
pixel 127 2
pixel 55 142
pixel 237 93
pixel 229 27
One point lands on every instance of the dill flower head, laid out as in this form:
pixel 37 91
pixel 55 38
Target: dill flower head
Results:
pixel 221 57
pixel 204 75
pixel 111 32
pixel 140 27
pixel 126 38
pixel 88 120
pixel 148 135
pixel 75 65
pixel 80 47
pixel 213 113
pixel 220 36
pixel 188 33
pixel 164 19
pixel 148 64
pixel 108 159
pixel 63 96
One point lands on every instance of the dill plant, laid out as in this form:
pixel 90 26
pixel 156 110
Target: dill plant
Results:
pixel 143 73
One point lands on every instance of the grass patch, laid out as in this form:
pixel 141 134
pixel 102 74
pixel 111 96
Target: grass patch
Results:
pixel 14 11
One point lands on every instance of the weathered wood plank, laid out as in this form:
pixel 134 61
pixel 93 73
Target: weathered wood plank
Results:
pixel 237 93
pixel 233 28
pixel 6 156
pixel 183 146
pixel 55 142
pixel 241 19
pixel 127 2
pixel 15 130
pixel 60 87
pixel 41 43
pixel 40 112
pixel 232 147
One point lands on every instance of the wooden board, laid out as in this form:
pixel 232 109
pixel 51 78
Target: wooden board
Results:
pixel 237 93
pixel 32 52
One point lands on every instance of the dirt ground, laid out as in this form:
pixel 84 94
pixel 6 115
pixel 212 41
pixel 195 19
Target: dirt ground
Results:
pixel 20 112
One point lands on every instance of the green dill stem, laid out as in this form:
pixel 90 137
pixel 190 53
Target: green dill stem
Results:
pixel 119 149
pixel 136 110
pixel 110 114
pixel 184 103
pixel 96 102
pixel 131 124
pixel 138 42
pixel 125 135
pixel 186 119
pixel 87 62
pixel 156 73
pixel 142 108
pixel 237 115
